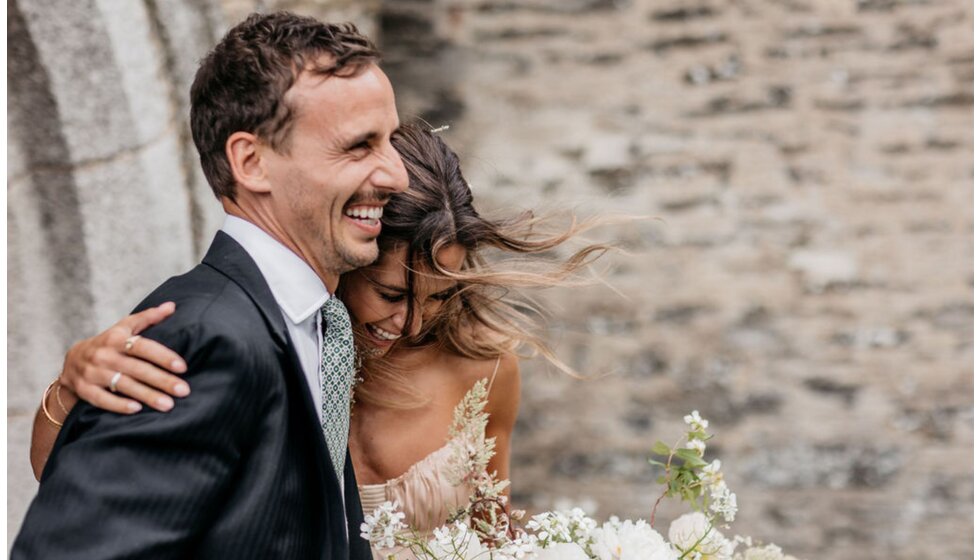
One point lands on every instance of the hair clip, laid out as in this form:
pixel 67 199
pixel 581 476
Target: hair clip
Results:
pixel 440 129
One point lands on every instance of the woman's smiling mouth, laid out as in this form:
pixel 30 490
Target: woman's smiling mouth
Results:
pixel 381 335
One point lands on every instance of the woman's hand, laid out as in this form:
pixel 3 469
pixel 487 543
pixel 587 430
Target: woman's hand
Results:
pixel 145 366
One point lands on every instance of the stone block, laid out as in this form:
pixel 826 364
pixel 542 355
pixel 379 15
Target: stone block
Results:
pixel 136 227
pixel 141 63
pixel 87 86
pixel 35 333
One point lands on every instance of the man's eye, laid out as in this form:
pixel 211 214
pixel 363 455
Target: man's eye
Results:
pixel 360 146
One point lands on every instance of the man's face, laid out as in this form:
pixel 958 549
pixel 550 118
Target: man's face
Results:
pixel 328 192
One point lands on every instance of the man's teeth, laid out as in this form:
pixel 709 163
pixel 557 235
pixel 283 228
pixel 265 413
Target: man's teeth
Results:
pixel 365 212
pixel 382 334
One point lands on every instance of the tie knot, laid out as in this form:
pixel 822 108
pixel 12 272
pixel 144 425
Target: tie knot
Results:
pixel 335 317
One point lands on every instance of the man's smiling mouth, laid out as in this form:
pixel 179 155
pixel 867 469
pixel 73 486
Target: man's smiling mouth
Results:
pixel 370 215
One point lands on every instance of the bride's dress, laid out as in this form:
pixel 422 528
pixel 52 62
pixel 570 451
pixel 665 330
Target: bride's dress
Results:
pixel 424 492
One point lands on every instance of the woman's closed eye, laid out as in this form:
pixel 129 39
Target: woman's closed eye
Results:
pixel 443 295
pixel 392 298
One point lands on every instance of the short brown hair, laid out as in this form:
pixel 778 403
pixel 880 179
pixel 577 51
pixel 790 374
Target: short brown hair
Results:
pixel 241 84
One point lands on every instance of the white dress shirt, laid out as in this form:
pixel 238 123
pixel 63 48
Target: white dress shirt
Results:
pixel 298 291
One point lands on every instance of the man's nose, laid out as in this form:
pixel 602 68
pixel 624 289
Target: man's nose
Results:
pixel 391 175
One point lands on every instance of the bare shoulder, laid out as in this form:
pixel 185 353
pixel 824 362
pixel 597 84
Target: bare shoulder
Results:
pixel 505 393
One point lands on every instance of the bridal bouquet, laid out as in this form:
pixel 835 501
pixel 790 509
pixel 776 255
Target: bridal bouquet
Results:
pixel 485 529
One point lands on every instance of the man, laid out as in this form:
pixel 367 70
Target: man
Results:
pixel 292 119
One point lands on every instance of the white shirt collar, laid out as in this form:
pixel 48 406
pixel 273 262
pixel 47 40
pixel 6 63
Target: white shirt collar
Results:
pixel 297 289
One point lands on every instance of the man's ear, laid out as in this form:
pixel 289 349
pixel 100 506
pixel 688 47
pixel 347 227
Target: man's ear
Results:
pixel 245 153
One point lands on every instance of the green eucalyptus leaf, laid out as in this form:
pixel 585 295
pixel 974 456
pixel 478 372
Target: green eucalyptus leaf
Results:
pixel 661 448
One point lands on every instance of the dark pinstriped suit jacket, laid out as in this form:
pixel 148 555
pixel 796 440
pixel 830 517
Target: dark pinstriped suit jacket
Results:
pixel 238 469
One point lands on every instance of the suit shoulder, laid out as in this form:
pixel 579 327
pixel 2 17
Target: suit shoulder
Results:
pixel 205 297
pixel 213 313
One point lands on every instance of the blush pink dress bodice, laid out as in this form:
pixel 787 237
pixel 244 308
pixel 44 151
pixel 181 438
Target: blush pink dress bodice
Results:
pixel 424 492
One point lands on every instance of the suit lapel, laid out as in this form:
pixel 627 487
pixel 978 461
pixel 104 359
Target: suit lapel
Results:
pixel 230 259
pixel 360 549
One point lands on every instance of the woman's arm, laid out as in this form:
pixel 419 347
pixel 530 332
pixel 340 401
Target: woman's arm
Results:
pixel 504 401
pixel 46 429
pixel 89 368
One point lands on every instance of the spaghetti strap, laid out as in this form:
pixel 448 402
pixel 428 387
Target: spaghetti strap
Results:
pixel 494 374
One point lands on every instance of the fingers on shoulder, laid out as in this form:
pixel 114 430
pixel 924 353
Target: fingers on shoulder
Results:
pixel 138 322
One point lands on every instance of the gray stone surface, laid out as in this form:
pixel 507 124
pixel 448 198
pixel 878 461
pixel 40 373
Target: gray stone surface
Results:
pixel 806 282
pixel 104 195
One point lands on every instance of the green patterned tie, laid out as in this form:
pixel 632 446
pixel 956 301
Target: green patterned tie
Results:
pixel 337 371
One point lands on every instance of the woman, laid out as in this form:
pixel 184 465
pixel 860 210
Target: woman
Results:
pixel 431 318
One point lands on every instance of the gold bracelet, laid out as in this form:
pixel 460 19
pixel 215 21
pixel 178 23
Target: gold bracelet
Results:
pixel 44 404
pixel 57 396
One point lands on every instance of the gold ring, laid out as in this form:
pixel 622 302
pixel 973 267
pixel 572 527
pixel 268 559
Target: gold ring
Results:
pixel 130 342
pixel 115 381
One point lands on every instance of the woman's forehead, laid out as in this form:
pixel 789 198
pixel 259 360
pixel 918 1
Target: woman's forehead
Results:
pixel 390 268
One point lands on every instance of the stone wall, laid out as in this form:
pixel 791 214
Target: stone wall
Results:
pixel 804 279
pixel 105 197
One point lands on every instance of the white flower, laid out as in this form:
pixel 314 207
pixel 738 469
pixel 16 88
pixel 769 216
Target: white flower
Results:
pixel 768 552
pixel 630 540
pixel 561 551
pixel 553 527
pixel 694 532
pixel 587 505
pixel 723 501
pixel 382 525
pixel 695 421
pixel 516 549
pixel 711 474
pixel 456 542
pixel 697 445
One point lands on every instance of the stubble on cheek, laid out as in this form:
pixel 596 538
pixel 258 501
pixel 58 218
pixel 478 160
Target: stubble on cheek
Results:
pixel 331 223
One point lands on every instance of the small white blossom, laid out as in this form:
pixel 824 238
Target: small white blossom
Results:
pixel 554 527
pixel 694 532
pixel 695 421
pixel 723 501
pixel 456 542
pixel 768 552
pixel 381 526
pixel 697 445
pixel 588 505
pixel 739 540
pixel 518 548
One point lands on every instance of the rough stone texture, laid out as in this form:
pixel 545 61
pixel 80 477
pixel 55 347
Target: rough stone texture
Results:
pixel 105 197
pixel 806 281
pixel 100 204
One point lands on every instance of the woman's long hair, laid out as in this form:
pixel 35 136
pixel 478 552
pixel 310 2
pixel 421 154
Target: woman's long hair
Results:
pixel 485 316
